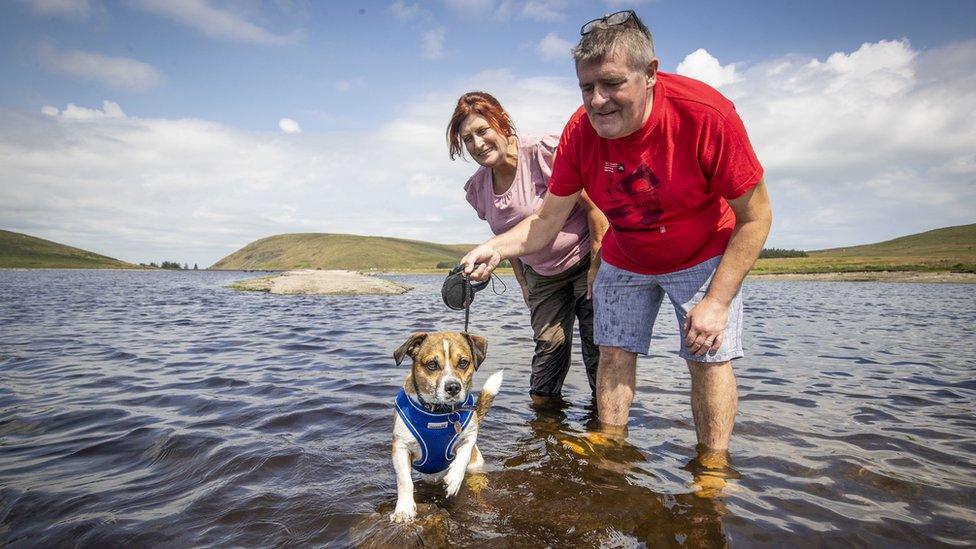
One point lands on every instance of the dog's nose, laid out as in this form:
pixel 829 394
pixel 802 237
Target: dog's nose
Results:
pixel 452 388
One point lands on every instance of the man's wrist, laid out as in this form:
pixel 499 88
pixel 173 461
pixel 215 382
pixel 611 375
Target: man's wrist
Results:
pixel 717 300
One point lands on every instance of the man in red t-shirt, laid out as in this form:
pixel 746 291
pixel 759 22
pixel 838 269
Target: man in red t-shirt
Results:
pixel 667 159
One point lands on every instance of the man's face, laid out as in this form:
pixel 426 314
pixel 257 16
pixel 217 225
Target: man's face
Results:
pixel 617 98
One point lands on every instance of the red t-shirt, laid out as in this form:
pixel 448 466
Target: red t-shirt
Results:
pixel 664 187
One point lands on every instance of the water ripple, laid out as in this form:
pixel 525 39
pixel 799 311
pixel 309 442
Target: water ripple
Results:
pixel 161 409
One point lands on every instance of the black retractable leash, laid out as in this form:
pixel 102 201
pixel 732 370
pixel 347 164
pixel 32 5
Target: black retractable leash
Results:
pixel 458 291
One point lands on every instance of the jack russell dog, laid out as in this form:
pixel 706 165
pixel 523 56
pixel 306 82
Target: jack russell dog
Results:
pixel 437 416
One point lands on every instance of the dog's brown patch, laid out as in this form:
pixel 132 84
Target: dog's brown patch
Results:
pixel 484 402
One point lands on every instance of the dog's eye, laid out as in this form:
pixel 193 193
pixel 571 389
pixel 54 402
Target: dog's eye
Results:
pixel 432 365
pixel 462 364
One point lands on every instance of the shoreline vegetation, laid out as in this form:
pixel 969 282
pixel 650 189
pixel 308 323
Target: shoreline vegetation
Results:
pixel 946 255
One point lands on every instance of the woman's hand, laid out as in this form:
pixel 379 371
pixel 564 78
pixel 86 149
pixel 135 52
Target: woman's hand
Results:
pixel 591 274
pixel 480 262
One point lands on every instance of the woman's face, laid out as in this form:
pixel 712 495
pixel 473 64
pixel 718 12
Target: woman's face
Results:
pixel 483 143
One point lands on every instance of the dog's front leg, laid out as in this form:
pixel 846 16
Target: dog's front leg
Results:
pixel 455 471
pixel 406 509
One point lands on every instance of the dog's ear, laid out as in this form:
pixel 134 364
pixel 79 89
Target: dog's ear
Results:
pixel 479 348
pixel 409 347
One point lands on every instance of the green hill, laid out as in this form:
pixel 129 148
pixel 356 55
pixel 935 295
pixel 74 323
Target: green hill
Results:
pixel 340 251
pixel 950 249
pixel 22 251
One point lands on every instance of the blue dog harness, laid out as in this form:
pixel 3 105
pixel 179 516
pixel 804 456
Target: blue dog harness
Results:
pixel 436 433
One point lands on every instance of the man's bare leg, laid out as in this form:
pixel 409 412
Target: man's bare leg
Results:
pixel 714 400
pixel 616 377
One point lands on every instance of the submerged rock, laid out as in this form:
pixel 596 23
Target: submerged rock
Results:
pixel 315 282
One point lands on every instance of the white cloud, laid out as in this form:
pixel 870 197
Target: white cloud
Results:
pixel 215 22
pixel 110 109
pixel 872 139
pixel 554 48
pixel 472 7
pixel 700 65
pixel 288 125
pixel 49 110
pixel 433 44
pixel 141 188
pixel 72 9
pixel 544 10
pixel 859 147
pixel 405 10
pixel 627 3
pixel 115 72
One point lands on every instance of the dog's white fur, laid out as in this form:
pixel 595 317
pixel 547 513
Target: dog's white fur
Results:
pixel 467 456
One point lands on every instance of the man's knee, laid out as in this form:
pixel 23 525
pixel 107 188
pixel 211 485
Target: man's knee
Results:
pixel 708 369
pixel 616 357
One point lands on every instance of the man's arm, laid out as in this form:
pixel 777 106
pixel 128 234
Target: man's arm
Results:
pixel 531 235
pixel 706 322
pixel 598 227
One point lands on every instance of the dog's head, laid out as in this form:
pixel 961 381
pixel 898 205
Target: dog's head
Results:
pixel 443 364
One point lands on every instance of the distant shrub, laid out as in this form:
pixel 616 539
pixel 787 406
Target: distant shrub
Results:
pixel 170 265
pixel 770 253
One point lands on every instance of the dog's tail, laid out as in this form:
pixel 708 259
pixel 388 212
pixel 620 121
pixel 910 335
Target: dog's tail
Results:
pixel 488 393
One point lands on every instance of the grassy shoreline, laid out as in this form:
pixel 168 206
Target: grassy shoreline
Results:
pixel 916 277
pixel 874 275
pixel 877 275
pixel 941 255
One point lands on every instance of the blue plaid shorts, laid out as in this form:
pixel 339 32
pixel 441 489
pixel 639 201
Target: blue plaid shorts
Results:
pixel 626 305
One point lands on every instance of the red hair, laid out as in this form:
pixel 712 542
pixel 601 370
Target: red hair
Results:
pixel 483 105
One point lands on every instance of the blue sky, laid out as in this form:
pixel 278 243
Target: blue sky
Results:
pixel 185 129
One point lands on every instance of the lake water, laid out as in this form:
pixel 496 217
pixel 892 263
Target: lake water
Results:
pixel 161 409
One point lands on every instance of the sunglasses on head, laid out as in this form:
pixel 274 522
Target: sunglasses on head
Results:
pixel 618 18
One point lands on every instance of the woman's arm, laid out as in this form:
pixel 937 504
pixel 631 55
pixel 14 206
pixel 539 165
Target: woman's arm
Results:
pixel 520 276
pixel 598 227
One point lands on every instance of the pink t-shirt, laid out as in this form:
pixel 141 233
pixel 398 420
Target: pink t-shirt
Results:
pixel 523 198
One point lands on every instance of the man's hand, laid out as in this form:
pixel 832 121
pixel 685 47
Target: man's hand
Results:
pixel 480 262
pixel 705 326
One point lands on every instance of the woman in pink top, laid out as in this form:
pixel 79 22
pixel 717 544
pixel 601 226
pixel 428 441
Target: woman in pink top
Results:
pixel 556 281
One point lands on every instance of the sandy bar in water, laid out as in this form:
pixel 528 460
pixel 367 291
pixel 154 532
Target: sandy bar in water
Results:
pixel 316 282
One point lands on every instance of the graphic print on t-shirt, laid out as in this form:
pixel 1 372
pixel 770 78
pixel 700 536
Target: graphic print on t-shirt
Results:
pixel 635 199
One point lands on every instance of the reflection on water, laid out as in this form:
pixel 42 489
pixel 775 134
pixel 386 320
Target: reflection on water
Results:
pixel 156 408
pixel 560 487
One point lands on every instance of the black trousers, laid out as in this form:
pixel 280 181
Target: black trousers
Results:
pixel 555 303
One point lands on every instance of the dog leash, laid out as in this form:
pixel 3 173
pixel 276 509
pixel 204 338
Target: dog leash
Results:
pixel 458 291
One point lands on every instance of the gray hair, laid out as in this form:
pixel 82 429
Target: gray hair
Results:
pixel 604 39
